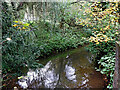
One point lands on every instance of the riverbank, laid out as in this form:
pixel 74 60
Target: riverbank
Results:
pixel 59 27
pixel 74 62
pixel 47 49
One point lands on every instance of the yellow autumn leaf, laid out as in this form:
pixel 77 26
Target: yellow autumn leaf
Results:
pixel 20 77
pixel 26 24
pixel 97 43
pixel 107 27
pixel 15 25
pixel 23 28
pixel 15 21
pixel 19 28
pixel 105 40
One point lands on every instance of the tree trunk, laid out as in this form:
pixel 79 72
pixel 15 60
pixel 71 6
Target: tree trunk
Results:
pixel 116 78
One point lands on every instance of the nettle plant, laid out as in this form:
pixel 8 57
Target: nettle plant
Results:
pixel 19 49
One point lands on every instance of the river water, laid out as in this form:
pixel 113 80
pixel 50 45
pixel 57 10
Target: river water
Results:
pixel 71 69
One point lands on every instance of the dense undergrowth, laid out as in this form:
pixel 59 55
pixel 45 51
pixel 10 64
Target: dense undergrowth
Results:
pixel 104 25
pixel 58 40
pixel 24 42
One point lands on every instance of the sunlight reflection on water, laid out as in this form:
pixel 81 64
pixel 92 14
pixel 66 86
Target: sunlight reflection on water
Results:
pixel 75 71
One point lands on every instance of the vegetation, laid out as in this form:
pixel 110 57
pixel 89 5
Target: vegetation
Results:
pixel 60 26
pixel 107 66
pixel 104 27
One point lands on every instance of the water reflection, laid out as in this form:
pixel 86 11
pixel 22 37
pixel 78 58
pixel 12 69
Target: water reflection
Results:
pixel 71 71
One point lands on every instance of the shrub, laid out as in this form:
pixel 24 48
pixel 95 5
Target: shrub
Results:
pixel 101 45
pixel 107 66
pixel 19 49
pixel 104 26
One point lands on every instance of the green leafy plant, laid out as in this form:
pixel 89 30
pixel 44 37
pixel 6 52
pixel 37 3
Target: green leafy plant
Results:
pixel 19 50
pixel 100 21
pixel 107 67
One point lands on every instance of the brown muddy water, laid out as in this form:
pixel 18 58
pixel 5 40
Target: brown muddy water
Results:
pixel 71 69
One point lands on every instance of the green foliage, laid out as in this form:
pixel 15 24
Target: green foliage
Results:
pixel 24 42
pixel 56 31
pixel 18 52
pixel 6 18
pixel 18 47
pixel 101 49
pixel 107 66
pixel 57 41
pixel 100 21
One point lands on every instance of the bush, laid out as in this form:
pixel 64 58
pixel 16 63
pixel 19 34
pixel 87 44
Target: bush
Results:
pixel 107 67
pixel 102 25
pixel 58 41
pixel 19 49
pixel 101 45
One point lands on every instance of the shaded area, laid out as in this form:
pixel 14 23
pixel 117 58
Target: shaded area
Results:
pixel 72 69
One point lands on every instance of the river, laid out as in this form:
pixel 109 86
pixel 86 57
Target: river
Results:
pixel 70 69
